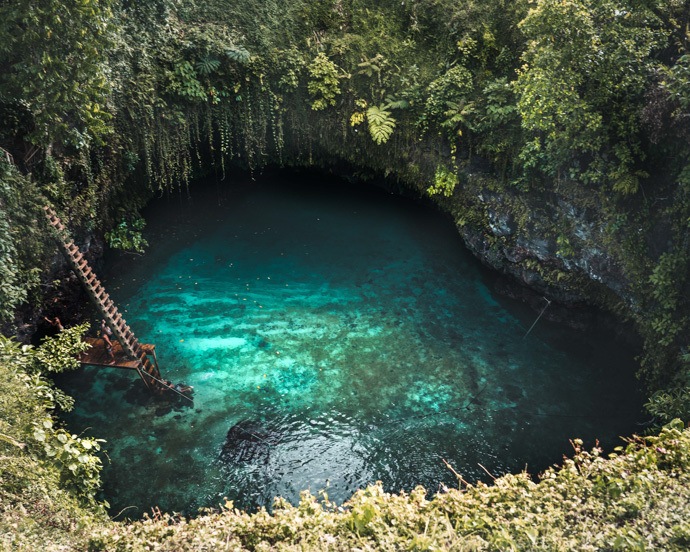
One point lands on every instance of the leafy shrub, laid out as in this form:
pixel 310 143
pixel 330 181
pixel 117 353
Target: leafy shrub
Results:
pixel 48 477
pixel 74 456
pixel 666 405
pixel 22 239
pixel 636 499
pixel 323 84
pixel 444 184
pixel 127 236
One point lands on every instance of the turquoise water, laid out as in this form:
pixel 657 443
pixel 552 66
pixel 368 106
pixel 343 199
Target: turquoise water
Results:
pixel 340 335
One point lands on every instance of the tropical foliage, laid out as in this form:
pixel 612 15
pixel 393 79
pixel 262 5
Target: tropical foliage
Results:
pixel 381 124
pixel 48 476
pixel 127 236
pixel 52 57
pixel 579 103
pixel 22 241
pixel 635 500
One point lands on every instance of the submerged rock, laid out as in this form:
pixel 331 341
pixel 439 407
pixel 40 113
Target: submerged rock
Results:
pixel 248 441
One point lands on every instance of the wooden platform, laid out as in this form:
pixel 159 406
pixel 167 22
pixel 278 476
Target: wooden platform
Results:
pixel 97 355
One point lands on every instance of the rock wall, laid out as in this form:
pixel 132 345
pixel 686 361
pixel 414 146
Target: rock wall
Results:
pixel 547 242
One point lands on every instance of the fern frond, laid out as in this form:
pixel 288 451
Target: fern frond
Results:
pixel 371 67
pixel 381 124
pixel 458 114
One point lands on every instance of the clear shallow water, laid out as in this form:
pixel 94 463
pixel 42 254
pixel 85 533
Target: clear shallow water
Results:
pixel 347 337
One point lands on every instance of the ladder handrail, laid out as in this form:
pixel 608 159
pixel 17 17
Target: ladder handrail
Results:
pixel 104 304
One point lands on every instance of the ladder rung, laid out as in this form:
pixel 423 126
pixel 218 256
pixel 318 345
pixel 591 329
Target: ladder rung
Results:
pixel 130 343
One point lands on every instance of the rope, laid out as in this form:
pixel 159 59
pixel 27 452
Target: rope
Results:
pixel 538 317
pixel 168 387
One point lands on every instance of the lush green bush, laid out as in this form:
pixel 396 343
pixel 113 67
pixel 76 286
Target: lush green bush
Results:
pixel 635 500
pixel 127 236
pixel 48 476
pixel 22 240
pixel 52 64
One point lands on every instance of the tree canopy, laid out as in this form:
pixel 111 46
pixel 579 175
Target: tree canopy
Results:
pixel 53 60
pixel 580 103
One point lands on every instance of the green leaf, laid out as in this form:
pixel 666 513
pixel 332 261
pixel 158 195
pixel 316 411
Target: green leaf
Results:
pixel 207 65
pixel 381 124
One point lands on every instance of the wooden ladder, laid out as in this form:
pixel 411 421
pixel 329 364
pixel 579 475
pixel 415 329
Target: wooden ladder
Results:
pixel 148 371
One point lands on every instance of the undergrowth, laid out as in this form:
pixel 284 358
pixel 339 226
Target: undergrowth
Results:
pixel 635 500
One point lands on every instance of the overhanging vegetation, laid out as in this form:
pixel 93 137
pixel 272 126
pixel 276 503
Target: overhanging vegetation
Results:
pixel 582 103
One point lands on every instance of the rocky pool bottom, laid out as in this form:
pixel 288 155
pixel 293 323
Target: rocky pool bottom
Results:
pixel 335 335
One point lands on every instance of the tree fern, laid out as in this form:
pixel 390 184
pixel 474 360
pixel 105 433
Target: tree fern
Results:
pixel 381 124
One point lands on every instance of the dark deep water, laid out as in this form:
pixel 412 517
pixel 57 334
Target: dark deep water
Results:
pixel 346 336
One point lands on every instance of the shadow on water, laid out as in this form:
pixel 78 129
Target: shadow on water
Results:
pixel 335 335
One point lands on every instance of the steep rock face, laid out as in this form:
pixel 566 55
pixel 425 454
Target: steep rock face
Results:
pixel 563 247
